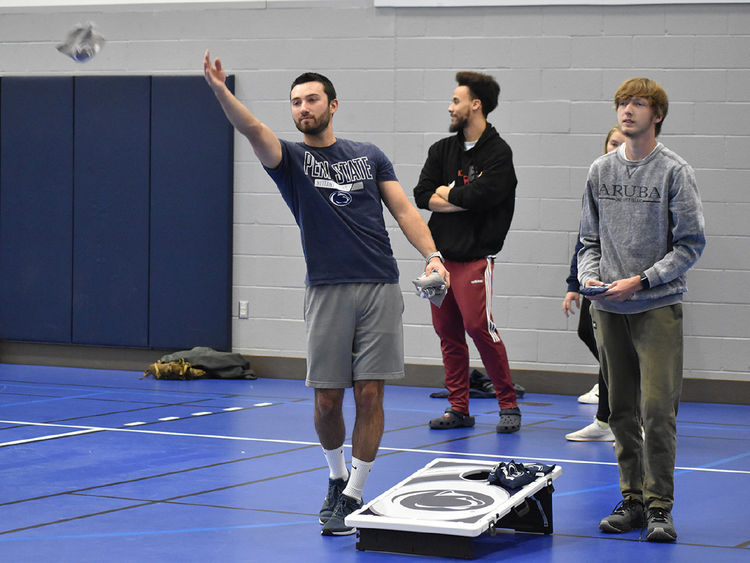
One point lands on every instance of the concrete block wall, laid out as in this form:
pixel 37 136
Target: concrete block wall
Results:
pixel 558 67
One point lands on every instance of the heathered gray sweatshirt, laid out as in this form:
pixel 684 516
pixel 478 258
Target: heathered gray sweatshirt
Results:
pixel 641 216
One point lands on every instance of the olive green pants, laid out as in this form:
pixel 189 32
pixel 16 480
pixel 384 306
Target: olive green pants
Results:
pixel 641 360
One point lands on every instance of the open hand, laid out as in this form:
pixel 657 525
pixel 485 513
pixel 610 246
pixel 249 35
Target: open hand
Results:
pixel 570 298
pixel 214 73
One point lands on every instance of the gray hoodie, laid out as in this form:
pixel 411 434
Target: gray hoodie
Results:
pixel 641 216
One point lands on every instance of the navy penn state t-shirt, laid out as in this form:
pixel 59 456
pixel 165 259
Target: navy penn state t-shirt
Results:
pixel 334 197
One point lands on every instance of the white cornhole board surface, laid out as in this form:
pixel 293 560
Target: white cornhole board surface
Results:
pixel 448 496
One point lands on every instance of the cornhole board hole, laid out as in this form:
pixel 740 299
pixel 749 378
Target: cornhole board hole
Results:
pixel 443 507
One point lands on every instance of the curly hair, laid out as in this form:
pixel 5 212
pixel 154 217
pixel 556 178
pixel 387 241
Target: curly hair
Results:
pixel 482 87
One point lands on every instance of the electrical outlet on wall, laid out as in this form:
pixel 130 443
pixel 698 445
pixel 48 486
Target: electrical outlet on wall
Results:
pixel 244 312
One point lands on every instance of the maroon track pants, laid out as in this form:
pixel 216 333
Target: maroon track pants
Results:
pixel 467 308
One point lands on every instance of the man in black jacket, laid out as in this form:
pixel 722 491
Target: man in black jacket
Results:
pixel 469 184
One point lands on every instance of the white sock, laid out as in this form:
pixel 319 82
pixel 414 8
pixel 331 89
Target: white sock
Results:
pixel 360 472
pixel 336 463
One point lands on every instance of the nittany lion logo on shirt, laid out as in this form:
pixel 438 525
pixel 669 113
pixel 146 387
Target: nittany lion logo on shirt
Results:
pixel 443 499
pixel 340 199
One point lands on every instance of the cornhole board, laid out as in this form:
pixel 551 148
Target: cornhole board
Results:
pixel 443 507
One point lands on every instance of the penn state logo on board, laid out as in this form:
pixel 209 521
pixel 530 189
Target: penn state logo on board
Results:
pixel 340 199
pixel 440 500
pixel 443 500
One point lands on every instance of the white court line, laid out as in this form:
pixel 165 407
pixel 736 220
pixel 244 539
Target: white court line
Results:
pixel 48 437
pixel 89 429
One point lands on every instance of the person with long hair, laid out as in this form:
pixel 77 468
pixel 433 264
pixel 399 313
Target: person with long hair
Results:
pixel 598 430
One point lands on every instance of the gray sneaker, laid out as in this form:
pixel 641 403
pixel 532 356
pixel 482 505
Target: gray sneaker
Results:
pixel 627 515
pixel 660 526
pixel 335 487
pixel 336 525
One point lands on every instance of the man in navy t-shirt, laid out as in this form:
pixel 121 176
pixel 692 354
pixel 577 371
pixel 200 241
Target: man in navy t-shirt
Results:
pixel 335 189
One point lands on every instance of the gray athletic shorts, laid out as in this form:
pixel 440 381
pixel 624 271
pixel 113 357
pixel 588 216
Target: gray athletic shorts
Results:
pixel 354 332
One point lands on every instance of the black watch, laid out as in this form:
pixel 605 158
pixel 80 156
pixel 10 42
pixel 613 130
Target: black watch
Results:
pixel 644 281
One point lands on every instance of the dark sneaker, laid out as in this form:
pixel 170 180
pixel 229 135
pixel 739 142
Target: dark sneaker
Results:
pixel 510 421
pixel 660 527
pixel 335 525
pixel 335 487
pixel 627 515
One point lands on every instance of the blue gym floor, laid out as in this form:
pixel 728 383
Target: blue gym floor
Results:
pixel 99 465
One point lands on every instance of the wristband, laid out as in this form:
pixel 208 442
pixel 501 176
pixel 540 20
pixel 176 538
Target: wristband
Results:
pixel 433 255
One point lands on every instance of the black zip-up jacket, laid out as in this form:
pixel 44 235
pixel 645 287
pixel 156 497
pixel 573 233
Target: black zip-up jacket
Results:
pixel 485 186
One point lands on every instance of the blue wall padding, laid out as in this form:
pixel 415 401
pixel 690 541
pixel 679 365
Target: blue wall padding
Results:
pixel 36 200
pixel 111 210
pixel 115 212
pixel 191 211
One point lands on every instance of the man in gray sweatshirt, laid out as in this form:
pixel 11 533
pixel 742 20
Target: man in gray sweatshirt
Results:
pixel 642 229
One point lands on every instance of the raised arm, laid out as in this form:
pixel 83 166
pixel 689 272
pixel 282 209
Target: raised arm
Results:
pixel 411 223
pixel 265 144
